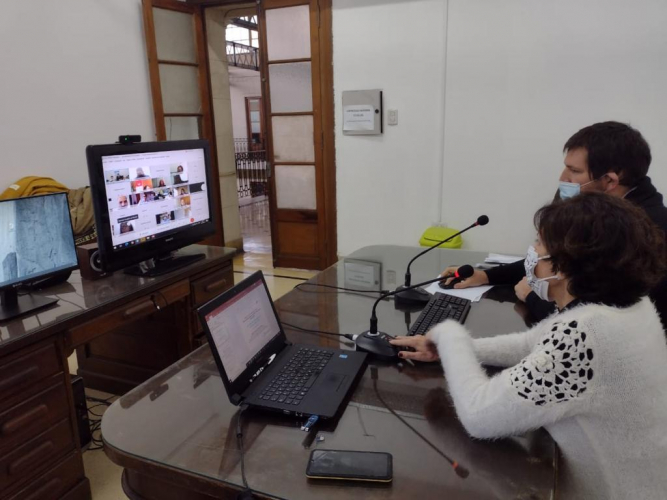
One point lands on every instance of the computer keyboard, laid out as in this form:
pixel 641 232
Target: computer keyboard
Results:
pixel 296 378
pixel 439 308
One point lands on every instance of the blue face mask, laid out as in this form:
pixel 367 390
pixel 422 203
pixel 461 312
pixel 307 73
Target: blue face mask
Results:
pixel 568 189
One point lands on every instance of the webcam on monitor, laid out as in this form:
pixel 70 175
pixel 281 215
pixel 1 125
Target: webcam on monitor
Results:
pixel 128 139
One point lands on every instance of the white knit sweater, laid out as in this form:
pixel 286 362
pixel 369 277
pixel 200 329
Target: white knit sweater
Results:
pixel 594 376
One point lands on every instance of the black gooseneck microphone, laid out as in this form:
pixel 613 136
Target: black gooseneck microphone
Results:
pixel 415 295
pixel 462 273
pixel 460 471
pixel 373 331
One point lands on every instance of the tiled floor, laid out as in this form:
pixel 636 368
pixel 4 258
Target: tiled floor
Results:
pixel 256 225
pixel 256 230
pixel 104 475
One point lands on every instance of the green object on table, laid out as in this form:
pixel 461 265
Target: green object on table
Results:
pixel 435 234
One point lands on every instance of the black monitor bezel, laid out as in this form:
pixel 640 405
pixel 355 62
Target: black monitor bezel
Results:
pixel 41 277
pixel 164 243
pixel 237 387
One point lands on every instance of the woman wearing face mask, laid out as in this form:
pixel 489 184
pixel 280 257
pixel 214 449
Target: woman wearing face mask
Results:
pixel 593 374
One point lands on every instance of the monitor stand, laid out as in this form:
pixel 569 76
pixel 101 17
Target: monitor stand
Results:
pixel 163 265
pixel 12 305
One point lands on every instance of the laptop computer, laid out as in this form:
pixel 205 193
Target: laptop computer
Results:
pixel 261 368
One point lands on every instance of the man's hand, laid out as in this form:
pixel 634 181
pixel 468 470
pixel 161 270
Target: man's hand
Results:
pixel 522 289
pixel 424 348
pixel 479 278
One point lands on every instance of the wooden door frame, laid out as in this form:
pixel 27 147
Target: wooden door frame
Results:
pixel 327 140
pixel 328 132
pixel 206 123
pixel 321 59
pixel 248 125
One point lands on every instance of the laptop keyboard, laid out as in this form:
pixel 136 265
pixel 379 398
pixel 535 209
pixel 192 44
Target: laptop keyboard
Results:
pixel 440 307
pixel 296 378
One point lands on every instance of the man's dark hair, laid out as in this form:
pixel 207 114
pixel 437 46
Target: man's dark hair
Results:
pixel 608 248
pixel 613 147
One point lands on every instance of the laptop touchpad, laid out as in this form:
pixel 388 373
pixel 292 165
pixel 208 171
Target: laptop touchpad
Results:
pixel 334 381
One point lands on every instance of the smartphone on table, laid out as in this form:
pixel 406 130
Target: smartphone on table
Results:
pixel 350 465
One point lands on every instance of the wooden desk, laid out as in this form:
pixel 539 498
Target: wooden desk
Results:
pixel 176 434
pixel 121 340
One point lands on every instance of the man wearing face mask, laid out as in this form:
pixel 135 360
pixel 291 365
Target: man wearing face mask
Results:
pixel 608 157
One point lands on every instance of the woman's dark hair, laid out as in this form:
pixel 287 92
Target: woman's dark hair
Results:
pixel 608 248
pixel 613 147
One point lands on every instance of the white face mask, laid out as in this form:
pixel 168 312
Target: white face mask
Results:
pixel 539 285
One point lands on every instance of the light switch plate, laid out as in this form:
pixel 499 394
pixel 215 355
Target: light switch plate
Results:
pixel 392 117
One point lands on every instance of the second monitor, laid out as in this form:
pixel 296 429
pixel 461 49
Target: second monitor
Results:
pixel 150 199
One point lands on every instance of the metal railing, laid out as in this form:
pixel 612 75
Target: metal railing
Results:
pixel 251 169
pixel 242 56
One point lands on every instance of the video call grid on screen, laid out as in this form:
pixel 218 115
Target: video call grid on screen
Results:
pixel 151 193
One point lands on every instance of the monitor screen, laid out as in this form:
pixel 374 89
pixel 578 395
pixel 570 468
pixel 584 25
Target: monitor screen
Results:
pixel 36 238
pixel 242 327
pixel 152 194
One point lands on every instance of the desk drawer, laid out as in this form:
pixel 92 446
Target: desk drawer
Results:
pixel 204 289
pixel 128 313
pixel 19 371
pixel 27 419
pixel 30 458
pixel 56 482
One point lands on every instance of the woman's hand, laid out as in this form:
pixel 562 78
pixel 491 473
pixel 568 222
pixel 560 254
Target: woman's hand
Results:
pixel 522 289
pixel 479 278
pixel 424 349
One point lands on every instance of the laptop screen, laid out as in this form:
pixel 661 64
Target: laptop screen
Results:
pixel 242 327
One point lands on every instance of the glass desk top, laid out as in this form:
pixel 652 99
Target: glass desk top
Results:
pixel 182 418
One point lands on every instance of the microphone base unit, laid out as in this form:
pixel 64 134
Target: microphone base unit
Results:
pixel 412 296
pixel 377 345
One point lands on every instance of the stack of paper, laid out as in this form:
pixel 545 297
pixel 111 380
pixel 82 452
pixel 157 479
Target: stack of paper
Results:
pixel 497 258
pixel 474 294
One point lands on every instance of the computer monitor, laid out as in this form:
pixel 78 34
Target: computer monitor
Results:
pixel 36 243
pixel 150 199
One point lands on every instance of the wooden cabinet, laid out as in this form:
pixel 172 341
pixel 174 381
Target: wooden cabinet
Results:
pixel 133 342
pixel 62 482
pixel 37 427
pixel 125 329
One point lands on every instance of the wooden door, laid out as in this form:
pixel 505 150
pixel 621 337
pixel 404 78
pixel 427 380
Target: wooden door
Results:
pixel 180 82
pixel 295 50
pixel 254 123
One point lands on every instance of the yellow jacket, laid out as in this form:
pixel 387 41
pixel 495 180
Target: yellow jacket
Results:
pixel 32 186
pixel 80 202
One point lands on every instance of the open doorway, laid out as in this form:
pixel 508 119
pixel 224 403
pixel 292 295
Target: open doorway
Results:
pixel 247 104
pixel 285 128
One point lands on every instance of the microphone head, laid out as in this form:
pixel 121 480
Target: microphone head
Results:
pixel 465 272
pixel 462 472
pixel 482 220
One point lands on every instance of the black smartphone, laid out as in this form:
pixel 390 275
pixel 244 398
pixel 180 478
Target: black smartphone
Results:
pixel 350 465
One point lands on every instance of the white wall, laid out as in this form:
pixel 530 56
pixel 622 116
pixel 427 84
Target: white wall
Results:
pixel 74 73
pixel 242 84
pixel 387 185
pixel 521 77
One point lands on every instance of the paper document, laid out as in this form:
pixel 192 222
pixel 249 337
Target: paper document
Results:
pixel 474 294
pixel 502 259
pixel 358 117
